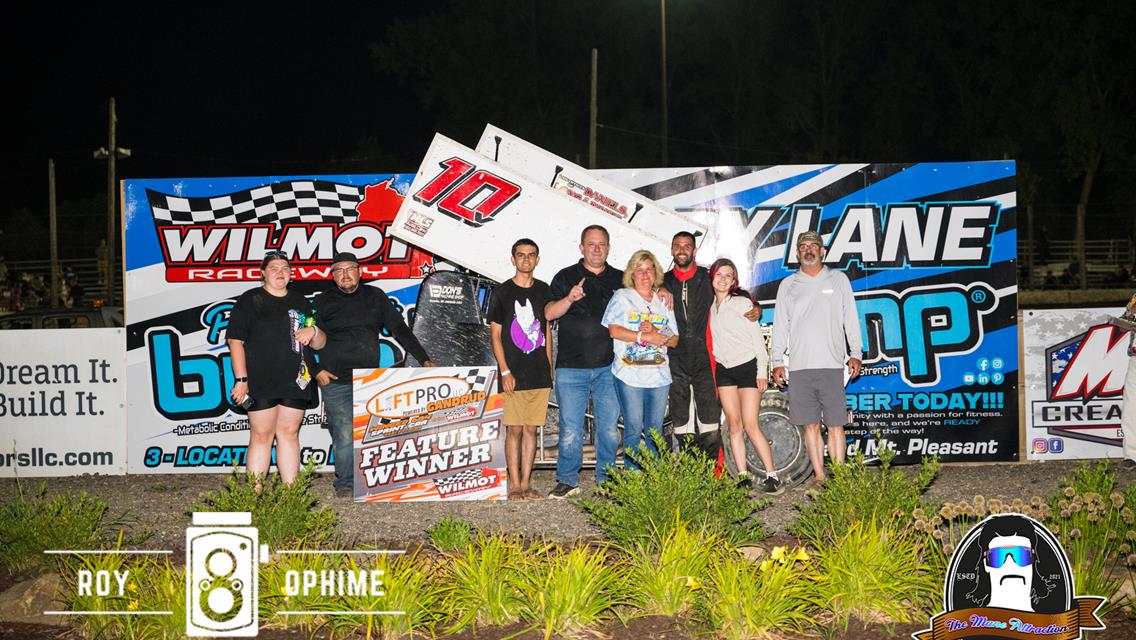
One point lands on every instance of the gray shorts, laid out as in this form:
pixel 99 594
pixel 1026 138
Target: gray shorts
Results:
pixel 817 395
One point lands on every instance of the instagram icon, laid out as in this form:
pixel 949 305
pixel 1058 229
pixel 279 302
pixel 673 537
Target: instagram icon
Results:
pixel 222 554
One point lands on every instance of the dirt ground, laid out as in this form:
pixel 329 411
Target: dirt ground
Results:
pixel 156 506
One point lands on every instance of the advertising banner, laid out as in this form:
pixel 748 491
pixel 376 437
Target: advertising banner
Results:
pixel 192 247
pixel 1075 366
pixel 930 250
pixel 544 167
pixel 62 402
pixel 428 435
pixel 469 210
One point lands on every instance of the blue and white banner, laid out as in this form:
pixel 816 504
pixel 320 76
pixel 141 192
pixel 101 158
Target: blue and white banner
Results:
pixel 930 250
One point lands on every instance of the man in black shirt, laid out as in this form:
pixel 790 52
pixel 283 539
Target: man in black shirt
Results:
pixel 352 316
pixel 580 294
pixel 523 350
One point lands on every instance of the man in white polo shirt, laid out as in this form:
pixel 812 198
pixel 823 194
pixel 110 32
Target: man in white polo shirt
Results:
pixel 816 323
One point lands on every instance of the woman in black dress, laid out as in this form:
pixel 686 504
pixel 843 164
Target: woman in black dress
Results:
pixel 268 340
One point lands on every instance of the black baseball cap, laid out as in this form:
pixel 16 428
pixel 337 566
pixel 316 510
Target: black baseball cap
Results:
pixel 344 256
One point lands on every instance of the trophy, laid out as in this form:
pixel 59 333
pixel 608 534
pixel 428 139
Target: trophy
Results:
pixel 1127 320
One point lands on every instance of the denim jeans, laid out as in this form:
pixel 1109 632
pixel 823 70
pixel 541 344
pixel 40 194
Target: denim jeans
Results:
pixel 643 411
pixel 339 412
pixel 573 387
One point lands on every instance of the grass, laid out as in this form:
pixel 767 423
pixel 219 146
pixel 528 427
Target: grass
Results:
pixel 639 506
pixel 667 583
pixel 744 600
pixel 285 514
pixel 568 591
pixel 33 522
pixel 856 492
pixel 451 534
pixel 481 584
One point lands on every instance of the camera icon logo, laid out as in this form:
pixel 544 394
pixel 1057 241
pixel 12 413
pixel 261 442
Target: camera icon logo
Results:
pixel 221 558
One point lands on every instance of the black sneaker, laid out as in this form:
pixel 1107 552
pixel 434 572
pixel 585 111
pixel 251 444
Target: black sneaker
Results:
pixel 772 486
pixel 561 491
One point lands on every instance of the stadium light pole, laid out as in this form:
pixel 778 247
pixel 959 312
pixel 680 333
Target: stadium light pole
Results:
pixel 110 156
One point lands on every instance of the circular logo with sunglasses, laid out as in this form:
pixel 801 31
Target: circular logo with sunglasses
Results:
pixel 1010 578
pixel 1009 561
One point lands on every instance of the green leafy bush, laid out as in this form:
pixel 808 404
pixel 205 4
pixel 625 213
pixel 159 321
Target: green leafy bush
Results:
pixel 855 492
pixel 874 573
pixel 32 523
pixel 743 600
pixel 285 514
pixel 567 591
pixel 666 583
pixel 450 533
pixel 481 584
pixel 639 506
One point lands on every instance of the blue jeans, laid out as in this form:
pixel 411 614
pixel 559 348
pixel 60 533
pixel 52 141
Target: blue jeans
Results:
pixel 643 411
pixel 339 412
pixel 573 387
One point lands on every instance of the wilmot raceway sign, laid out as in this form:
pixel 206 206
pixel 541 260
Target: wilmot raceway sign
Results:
pixel 930 250
pixel 1075 368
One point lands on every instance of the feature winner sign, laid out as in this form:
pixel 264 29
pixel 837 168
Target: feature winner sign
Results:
pixel 428 434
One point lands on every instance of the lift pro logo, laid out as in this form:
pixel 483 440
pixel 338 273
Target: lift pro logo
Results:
pixel 224 237
pixel 1084 386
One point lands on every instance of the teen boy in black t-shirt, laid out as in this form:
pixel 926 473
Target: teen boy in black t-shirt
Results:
pixel 523 350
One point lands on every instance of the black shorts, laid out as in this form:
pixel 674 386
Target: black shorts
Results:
pixel 260 404
pixel 743 376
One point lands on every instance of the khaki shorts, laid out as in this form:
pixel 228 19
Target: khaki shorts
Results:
pixel 526 407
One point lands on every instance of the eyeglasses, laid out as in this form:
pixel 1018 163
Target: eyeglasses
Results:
pixel 996 557
pixel 342 270
pixel 275 253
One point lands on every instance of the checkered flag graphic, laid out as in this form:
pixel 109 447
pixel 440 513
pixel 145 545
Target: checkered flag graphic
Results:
pixel 477 379
pixel 279 203
pixel 461 476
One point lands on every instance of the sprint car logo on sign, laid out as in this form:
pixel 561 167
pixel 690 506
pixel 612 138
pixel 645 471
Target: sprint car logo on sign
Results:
pixel 466 193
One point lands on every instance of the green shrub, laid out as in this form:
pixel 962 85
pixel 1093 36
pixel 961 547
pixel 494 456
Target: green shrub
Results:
pixel 874 573
pixel 743 600
pixel 33 523
pixel 667 583
pixel 1097 531
pixel 567 591
pixel 450 533
pixel 285 514
pixel 153 584
pixel 481 584
pixel 855 492
pixel 639 506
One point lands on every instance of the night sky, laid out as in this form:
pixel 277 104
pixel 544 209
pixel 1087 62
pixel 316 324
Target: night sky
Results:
pixel 240 89
pixel 224 90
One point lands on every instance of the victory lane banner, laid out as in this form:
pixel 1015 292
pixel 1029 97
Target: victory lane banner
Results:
pixel 428 434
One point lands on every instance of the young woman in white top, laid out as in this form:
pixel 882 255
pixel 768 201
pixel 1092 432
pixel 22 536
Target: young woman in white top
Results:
pixel 741 361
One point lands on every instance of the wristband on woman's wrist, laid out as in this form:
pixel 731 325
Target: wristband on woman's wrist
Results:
pixel 639 337
pixel 505 373
pixel 241 379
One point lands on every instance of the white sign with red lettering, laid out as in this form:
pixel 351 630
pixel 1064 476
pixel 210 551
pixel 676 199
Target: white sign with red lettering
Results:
pixel 1075 365
pixel 574 181
pixel 468 209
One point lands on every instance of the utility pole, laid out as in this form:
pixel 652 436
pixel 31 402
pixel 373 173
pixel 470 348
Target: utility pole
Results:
pixel 593 112
pixel 54 236
pixel 111 152
pixel 663 69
